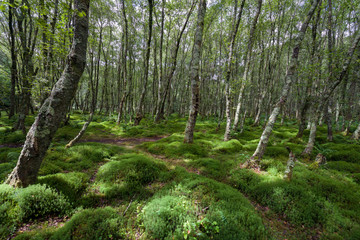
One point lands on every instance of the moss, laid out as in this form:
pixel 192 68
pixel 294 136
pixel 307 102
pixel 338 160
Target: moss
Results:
pixel 312 198
pixel 213 168
pixel 344 155
pixel 128 174
pixel 38 201
pixel 72 185
pixel 165 217
pixel 228 147
pixel 222 212
pixel 344 166
pixel 276 151
pixel 102 223
pixel 9 211
pixel 84 156
pixel 13 137
pixel 24 204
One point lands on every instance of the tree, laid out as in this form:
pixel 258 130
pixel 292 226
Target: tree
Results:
pixel 55 106
pixel 139 113
pixel 194 74
pixel 289 78
pixel 236 23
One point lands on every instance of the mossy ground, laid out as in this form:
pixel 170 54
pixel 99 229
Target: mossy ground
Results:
pixel 166 189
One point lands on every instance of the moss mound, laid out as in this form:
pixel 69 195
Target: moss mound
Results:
pixel 101 223
pixel 197 207
pixel 24 204
pixel 129 173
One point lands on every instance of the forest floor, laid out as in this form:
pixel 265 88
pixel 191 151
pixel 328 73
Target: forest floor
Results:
pixel 143 182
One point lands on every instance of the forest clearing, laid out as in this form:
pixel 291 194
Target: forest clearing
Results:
pixel 192 119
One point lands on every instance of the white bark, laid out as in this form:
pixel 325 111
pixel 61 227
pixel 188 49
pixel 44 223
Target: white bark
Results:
pixel 289 78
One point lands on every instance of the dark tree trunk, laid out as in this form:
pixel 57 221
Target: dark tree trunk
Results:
pixel 13 62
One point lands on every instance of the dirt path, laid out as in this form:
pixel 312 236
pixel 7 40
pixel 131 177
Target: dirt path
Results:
pixel 124 141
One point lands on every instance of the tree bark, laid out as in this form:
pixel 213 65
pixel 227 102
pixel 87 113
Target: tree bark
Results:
pixel 236 23
pixel 247 64
pixel 173 63
pixel 124 63
pixel 81 133
pixel 55 106
pixel 311 142
pixel 356 134
pixel 194 74
pixel 289 78
pixel 13 62
pixel 139 112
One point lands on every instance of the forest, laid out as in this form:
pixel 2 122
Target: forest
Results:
pixel 190 119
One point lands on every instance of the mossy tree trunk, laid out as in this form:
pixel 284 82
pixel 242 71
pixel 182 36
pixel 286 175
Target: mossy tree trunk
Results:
pixel 194 74
pixel 55 106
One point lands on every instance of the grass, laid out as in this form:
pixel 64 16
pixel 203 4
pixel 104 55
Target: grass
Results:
pixel 166 189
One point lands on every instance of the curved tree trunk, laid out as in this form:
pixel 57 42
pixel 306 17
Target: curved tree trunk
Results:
pixel 194 74
pixel 81 133
pixel 55 106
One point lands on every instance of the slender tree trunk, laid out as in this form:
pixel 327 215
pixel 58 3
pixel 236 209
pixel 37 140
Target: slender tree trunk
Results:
pixel 329 90
pixel 311 142
pixel 173 63
pixel 289 78
pixel 124 63
pixel 139 112
pixel 56 105
pixel 194 74
pixel 247 64
pixel 356 134
pixel 330 68
pixel 13 63
pixel 81 133
pixel 235 28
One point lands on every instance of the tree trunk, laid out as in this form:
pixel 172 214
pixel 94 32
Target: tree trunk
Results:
pixel 289 166
pixel 236 23
pixel 194 74
pixel 356 134
pixel 139 112
pixel 311 142
pixel 173 63
pixel 13 62
pixel 81 133
pixel 56 105
pixel 124 63
pixel 289 78
pixel 247 64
